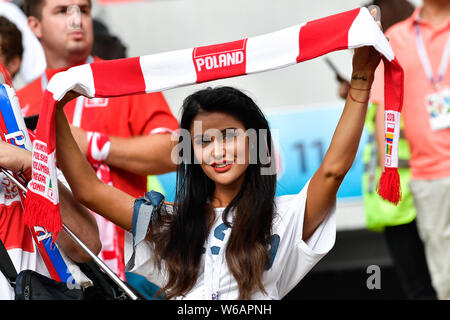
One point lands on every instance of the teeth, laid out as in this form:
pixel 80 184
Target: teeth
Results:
pixel 220 165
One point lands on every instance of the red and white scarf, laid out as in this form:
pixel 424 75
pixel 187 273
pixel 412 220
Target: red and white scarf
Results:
pixel 157 72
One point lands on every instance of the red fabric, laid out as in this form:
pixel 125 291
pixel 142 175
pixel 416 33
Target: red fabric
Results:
pixel 389 185
pixel 51 220
pixel 393 89
pixel 319 37
pixel 127 77
pixel 13 232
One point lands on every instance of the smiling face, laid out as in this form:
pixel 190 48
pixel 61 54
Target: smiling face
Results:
pixel 221 147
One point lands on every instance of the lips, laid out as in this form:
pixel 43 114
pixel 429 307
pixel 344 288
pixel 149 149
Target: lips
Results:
pixel 77 34
pixel 221 166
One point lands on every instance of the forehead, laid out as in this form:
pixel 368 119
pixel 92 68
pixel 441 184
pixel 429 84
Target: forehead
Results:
pixel 65 3
pixel 217 120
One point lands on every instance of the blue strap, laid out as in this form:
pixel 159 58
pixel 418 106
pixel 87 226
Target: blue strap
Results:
pixel 142 215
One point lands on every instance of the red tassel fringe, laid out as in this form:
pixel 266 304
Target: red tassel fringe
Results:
pixel 389 186
pixel 40 212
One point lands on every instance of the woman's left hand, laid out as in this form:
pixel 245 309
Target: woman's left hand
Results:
pixel 366 59
pixel 14 158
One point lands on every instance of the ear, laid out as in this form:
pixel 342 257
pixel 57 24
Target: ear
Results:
pixel 35 26
pixel 13 65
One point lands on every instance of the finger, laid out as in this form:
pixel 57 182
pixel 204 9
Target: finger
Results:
pixel 379 25
pixel 375 12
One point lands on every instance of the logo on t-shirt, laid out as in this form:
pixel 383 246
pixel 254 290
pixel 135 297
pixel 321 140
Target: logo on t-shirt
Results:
pixel 96 102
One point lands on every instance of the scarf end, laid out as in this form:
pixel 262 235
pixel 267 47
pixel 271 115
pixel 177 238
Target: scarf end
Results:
pixel 389 186
pixel 40 212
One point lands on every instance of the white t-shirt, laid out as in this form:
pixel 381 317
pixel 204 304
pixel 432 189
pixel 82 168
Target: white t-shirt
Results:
pixel 291 257
pixel 18 239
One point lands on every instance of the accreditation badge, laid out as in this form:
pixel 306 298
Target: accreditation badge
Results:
pixel 438 106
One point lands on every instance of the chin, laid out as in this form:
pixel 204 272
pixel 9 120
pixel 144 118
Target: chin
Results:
pixel 79 47
pixel 228 178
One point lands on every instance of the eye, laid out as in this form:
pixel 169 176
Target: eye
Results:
pixel 230 134
pixel 204 140
pixel 85 10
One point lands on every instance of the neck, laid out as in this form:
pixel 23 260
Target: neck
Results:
pixel 58 62
pixel 224 194
pixel 435 12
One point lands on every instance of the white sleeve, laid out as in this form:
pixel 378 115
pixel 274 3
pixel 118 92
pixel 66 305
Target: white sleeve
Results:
pixel 298 257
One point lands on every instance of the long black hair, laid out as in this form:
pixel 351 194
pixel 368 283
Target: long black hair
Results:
pixel 253 206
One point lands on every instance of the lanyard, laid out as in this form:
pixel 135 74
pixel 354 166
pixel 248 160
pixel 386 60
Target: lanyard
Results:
pixel 424 59
pixel 76 121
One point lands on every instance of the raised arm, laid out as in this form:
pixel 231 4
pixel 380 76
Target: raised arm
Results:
pixel 75 216
pixel 111 203
pixel 339 158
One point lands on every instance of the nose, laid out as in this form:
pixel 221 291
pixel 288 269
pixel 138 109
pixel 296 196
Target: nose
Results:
pixel 218 151
pixel 73 14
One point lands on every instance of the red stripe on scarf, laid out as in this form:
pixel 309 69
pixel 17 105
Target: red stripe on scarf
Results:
pixel 317 37
pixel 118 77
pixel 393 85
pixel 41 211
pixel 45 130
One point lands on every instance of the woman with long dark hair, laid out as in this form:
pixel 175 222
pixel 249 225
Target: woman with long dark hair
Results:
pixel 227 236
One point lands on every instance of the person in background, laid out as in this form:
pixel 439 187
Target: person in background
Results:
pixel 33 59
pixel 421 44
pixel 396 222
pixel 11 48
pixel 123 144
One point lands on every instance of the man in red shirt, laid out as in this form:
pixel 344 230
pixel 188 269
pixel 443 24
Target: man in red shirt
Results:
pixel 125 138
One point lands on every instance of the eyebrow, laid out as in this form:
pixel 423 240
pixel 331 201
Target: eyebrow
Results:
pixel 221 131
pixel 65 6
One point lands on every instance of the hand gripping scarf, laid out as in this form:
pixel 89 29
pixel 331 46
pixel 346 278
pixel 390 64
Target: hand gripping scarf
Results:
pixel 157 72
